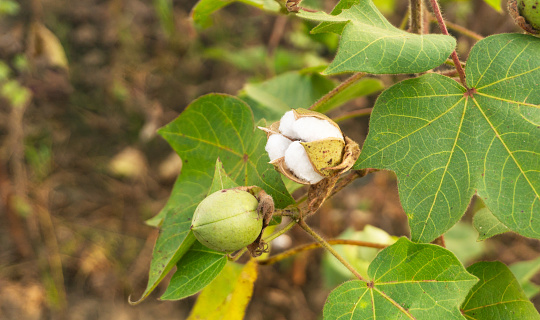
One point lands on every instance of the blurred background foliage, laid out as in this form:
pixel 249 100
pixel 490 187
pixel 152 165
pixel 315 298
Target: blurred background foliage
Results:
pixel 83 87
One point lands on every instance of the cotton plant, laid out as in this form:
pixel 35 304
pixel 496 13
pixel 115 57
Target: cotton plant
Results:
pixel 307 147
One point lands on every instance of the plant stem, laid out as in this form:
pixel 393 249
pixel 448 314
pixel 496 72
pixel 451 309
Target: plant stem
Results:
pixel 440 20
pixel 416 22
pixel 316 245
pixel 354 114
pixel 348 179
pixel 328 247
pixel 280 232
pixel 344 85
pixel 466 32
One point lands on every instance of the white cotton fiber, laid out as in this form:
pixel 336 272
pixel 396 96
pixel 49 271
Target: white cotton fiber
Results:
pixel 286 125
pixel 276 146
pixel 310 129
pixel 298 162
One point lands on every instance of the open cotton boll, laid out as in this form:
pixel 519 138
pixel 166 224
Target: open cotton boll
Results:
pixel 286 125
pixel 298 162
pixel 312 129
pixel 276 146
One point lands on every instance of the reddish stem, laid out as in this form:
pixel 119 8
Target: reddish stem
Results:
pixel 442 25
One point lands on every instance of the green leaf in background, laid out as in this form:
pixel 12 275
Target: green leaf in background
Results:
pixel 461 240
pixel 497 295
pixel 445 145
pixel 300 89
pixel 495 4
pixel 360 88
pixel 204 8
pixel 524 271
pixel 409 281
pixel 227 297
pixel 165 13
pixel 335 273
pixel 369 43
pixel 9 7
pixel 487 224
pixel 200 265
pixel 195 270
pixel 292 89
pixel 213 126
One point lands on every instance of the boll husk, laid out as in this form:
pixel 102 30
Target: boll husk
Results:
pixel 526 14
pixel 307 146
pixel 227 220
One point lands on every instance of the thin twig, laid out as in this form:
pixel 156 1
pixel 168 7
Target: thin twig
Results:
pixel 354 114
pixel 416 22
pixel 344 85
pixel 353 175
pixel 442 25
pixel 328 247
pixel 311 246
pixel 464 31
pixel 268 239
pixel 277 34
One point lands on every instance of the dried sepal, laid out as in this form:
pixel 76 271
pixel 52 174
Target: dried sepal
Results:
pixel 272 129
pixel 325 153
pixel 265 210
pixel 281 167
pixel 319 192
pixel 351 152
pixel 513 10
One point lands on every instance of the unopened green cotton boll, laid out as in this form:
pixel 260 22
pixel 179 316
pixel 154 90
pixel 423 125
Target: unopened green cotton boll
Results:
pixel 227 220
pixel 530 10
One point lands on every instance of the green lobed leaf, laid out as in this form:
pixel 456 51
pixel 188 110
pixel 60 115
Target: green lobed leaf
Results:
pixel 227 297
pixel 445 145
pixel 487 224
pixel 369 43
pixel 497 295
pixel 524 271
pixel 202 11
pixel 213 126
pixel 409 281
pixel 195 270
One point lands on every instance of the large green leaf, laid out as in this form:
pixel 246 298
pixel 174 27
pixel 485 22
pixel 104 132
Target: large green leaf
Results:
pixel 202 11
pixel 445 144
pixel 213 126
pixel 409 281
pixel 195 270
pixel 487 224
pixel 497 295
pixel 227 297
pixel 369 43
